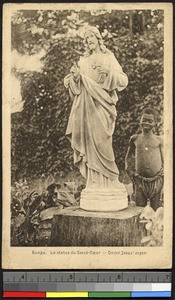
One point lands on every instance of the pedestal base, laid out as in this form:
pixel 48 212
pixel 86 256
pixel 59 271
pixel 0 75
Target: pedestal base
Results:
pixel 76 227
pixel 104 199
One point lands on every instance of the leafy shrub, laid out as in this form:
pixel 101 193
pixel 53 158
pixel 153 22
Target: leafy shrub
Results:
pixel 29 209
pixel 154 226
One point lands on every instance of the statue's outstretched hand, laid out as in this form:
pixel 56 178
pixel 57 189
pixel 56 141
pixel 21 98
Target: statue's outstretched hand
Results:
pixel 75 70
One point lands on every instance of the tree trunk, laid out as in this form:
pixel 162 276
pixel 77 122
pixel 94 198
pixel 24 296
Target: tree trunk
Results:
pixel 76 227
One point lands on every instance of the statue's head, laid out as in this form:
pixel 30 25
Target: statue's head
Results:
pixel 93 38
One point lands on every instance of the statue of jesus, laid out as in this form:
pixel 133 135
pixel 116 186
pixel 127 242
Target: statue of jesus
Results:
pixel 92 85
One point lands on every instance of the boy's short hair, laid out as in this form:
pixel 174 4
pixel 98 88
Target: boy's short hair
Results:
pixel 150 111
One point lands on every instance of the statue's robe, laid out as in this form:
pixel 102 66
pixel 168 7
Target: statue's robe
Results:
pixel 92 118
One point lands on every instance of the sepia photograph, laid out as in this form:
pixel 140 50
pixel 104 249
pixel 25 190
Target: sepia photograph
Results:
pixel 87 134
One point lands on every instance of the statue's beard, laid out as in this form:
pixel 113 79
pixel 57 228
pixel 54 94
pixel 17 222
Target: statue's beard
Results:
pixel 92 46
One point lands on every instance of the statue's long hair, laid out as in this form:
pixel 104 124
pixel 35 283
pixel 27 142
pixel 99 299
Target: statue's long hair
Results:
pixel 103 48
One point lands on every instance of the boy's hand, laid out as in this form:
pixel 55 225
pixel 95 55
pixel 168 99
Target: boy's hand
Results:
pixel 124 177
pixel 130 173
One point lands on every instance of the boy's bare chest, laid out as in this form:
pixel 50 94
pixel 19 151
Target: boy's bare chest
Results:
pixel 148 156
pixel 147 145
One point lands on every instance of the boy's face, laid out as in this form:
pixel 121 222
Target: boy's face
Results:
pixel 147 122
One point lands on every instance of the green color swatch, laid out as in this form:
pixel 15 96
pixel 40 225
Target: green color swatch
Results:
pixel 109 294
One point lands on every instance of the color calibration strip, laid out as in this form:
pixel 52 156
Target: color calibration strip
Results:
pixel 86 285
pixel 35 295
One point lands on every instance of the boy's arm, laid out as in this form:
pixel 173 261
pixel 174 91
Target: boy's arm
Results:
pixel 161 150
pixel 130 153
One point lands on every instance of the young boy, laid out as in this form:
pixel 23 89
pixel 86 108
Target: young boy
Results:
pixel 148 151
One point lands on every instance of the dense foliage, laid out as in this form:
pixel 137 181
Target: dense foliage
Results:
pixel 39 145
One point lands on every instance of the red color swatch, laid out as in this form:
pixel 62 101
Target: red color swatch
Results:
pixel 24 295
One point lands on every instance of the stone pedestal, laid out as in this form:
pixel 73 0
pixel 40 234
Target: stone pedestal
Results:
pixel 76 227
pixel 104 200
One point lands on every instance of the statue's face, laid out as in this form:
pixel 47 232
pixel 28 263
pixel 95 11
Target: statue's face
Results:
pixel 91 39
pixel 147 121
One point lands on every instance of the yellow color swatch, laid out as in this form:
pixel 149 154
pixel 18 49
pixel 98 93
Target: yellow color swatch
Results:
pixel 66 294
